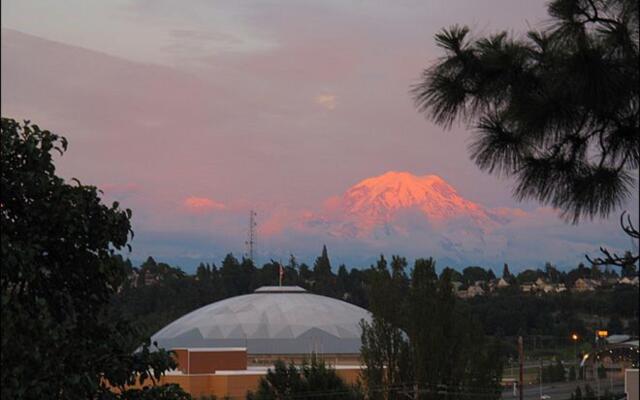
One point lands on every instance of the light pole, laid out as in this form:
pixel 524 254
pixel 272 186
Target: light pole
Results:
pixel 521 371
pixel 540 380
pixel 575 337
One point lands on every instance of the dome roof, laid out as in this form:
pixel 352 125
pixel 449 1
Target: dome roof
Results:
pixel 272 320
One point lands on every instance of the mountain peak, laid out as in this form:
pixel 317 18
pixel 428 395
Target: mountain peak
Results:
pixel 395 177
pixel 378 199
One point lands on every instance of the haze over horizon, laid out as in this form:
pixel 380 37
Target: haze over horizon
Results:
pixel 192 116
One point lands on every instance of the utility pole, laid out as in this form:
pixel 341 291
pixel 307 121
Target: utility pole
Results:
pixel 540 379
pixel 521 356
pixel 597 376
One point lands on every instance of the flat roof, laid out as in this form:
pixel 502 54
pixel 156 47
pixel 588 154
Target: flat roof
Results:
pixel 264 370
pixel 255 370
pixel 210 349
pixel 280 289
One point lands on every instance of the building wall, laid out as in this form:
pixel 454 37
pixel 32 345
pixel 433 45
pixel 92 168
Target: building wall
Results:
pixel 223 372
pixel 205 362
pixel 631 384
pixel 235 385
pixel 329 359
pixel 182 358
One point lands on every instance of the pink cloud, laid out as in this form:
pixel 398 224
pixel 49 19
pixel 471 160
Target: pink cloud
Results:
pixel 327 101
pixel 201 205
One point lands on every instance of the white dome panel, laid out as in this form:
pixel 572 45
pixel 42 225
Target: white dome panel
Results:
pixel 272 320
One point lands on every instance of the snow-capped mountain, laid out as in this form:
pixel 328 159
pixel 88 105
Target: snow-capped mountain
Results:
pixel 399 203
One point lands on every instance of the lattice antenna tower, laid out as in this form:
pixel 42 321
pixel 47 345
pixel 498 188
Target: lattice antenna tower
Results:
pixel 252 236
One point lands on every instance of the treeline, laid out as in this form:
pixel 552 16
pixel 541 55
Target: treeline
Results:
pixel 510 312
pixel 422 340
pixel 550 273
pixel 157 293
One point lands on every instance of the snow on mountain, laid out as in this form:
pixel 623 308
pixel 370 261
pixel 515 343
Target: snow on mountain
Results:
pixel 399 203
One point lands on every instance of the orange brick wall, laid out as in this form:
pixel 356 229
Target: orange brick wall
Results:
pixel 182 359
pixel 207 362
pixel 234 386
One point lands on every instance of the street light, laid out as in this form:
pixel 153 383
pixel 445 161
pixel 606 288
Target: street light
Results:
pixel 575 337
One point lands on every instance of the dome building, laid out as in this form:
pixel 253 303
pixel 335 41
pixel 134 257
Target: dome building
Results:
pixel 274 321
pixel 226 347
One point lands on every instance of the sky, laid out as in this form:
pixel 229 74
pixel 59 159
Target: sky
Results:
pixel 192 113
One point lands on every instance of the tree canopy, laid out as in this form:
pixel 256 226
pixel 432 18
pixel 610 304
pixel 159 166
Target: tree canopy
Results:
pixel 60 270
pixel 557 110
pixel 422 340
pixel 312 379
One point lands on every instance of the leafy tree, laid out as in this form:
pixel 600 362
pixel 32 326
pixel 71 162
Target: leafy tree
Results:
pixel 506 274
pixel 629 268
pixel 445 348
pixel 528 276
pixel 59 272
pixel 595 272
pixel 474 274
pixel 422 308
pixel 385 352
pixel 234 281
pixel 310 380
pixel 558 111
pixel 291 275
pixel 385 349
pixel 552 273
pixel 324 280
pixel 322 266
pixel 342 279
pixel 456 276
pixel 580 272
pixel 205 273
pixel 306 275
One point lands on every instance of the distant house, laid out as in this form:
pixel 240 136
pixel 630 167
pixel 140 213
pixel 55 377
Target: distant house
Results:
pixel 628 281
pixel 150 279
pixel 584 285
pixel 472 291
pixel 542 286
pixel 133 277
pixel 561 287
pixel 527 287
pixel 625 281
pixel 475 290
pixel 502 283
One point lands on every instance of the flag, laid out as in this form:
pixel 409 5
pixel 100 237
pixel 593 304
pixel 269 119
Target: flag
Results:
pixel 281 271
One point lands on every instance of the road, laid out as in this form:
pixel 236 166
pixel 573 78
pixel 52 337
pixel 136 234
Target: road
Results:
pixel 562 391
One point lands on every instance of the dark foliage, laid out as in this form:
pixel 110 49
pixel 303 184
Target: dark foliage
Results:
pixel 422 340
pixel 557 110
pixel 312 379
pixel 59 273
